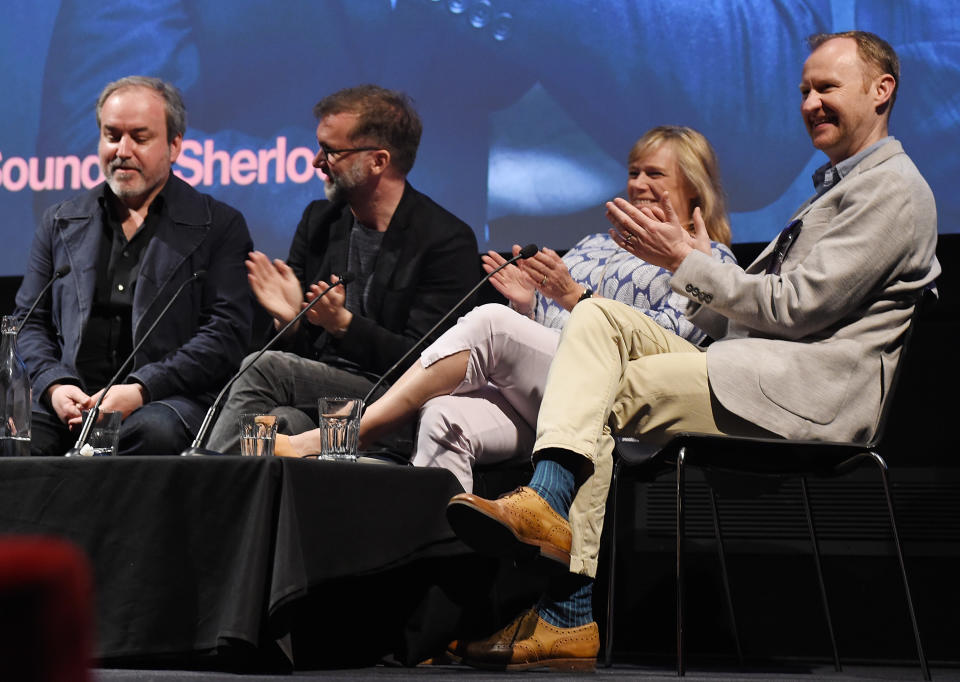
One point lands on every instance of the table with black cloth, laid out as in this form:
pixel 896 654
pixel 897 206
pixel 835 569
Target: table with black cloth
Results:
pixel 256 562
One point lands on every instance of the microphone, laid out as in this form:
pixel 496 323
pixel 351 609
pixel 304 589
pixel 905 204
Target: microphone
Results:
pixel 95 410
pixel 196 448
pixel 526 252
pixel 57 274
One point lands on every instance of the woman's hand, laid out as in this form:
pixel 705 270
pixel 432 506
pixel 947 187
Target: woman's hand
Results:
pixel 552 278
pixel 511 281
pixel 655 234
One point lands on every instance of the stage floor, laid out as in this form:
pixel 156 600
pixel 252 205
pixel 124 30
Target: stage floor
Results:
pixel 439 673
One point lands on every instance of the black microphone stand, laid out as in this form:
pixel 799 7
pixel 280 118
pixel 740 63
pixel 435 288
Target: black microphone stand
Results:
pixel 65 270
pixel 526 252
pixel 94 411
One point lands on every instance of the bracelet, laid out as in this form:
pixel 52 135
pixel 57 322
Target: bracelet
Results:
pixel 526 313
pixel 587 293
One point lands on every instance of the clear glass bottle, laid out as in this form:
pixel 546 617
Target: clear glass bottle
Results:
pixel 15 394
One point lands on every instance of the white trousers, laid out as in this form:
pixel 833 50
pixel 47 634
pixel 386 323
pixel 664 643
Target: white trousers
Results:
pixel 491 416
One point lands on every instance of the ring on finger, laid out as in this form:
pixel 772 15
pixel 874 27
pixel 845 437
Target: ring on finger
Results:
pixel 543 281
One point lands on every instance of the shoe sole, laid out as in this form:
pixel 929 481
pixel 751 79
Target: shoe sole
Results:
pixel 558 664
pixel 486 534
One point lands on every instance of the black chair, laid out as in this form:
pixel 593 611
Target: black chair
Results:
pixel 768 457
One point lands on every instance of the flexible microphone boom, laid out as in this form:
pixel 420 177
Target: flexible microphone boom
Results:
pixel 95 410
pixel 196 448
pixel 526 252
pixel 57 274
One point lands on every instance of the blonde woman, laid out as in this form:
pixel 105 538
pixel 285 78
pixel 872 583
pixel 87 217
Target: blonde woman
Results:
pixel 478 387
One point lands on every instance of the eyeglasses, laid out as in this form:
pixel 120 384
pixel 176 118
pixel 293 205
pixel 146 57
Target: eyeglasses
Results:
pixel 326 153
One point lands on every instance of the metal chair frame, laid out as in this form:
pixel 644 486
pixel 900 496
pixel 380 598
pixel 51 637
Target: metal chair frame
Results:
pixel 775 457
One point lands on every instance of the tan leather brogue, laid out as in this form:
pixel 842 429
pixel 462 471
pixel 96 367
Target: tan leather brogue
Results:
pixel 531 642
pixel 519 524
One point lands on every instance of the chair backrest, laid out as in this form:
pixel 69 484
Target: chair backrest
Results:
pixel 926 298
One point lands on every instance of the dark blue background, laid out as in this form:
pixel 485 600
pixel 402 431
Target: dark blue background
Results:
pixel 529 106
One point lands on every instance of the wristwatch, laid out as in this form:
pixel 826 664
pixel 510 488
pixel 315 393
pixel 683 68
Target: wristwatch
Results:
pixel 587 293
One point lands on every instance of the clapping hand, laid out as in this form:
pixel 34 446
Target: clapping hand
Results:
pixel 275 285
pixel 330 313
pixel 512 282
pixel 552 278
pixel 655 234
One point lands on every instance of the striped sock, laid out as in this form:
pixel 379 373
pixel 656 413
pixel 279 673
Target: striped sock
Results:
pixel 555 483
pixel 568 603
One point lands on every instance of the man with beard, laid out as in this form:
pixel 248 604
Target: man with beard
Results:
pixel 411 260
pixel 129 245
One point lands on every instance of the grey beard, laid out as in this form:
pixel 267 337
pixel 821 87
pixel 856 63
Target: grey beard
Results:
pixel 338 189
pixel 334 191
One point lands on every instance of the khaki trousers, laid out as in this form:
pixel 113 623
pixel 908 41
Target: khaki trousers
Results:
pixel 617 372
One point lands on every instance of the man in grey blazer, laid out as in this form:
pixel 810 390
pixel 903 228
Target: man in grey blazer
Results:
pixel 806 341
pixel 130 243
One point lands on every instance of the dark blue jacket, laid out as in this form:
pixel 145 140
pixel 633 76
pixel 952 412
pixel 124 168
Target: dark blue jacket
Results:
pixel 196 346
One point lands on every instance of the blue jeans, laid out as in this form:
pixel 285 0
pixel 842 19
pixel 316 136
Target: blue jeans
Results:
pixel 154 429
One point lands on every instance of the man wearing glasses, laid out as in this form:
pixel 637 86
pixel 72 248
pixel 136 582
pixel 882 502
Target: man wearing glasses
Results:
pixel 411 259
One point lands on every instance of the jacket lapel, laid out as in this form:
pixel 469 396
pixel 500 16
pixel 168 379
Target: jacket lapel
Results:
pixel 880 155
pixel 80 229
pixel 338 240
pixel 180 232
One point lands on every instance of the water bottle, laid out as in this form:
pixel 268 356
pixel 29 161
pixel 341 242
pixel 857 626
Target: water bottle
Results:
pixel 15 394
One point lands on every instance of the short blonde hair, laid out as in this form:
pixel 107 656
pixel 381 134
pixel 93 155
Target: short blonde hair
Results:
pixel 698 164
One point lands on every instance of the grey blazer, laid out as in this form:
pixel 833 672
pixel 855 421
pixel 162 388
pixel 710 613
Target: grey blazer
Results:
pixel 810 353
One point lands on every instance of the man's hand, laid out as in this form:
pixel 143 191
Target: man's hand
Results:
pixel 67 401
pixel 515 286
pixel 329 313
pixel 656 235
pixel 123 398
pixel 275 285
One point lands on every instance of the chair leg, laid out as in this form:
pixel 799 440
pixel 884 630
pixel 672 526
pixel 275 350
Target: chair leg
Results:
pixel 882 465
pixel 814 543
pixel 721 551
pixel 607 660
pixel 681 670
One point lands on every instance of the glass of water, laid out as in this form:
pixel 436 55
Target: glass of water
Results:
pixel 258 434
pixel 339 428
pixel 104 435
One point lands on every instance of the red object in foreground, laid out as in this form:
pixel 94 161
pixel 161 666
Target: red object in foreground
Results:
pixel 46 610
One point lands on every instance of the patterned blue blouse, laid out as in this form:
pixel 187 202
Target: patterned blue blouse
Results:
pixel 598 263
